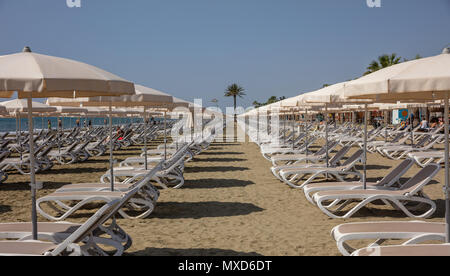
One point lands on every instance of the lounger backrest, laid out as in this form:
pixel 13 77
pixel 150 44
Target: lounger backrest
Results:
pixel 433 141
pixel 396 173
pixel 339 155
pixel 422 141
pixel 88 227
pixel 323 150
pixel 418 181
pixel 398 137
pixel 4 155
pixel 45 152
pixel 71 147
pixel 354 158
pixel 174 159
pixel 83 145
pixel 403 139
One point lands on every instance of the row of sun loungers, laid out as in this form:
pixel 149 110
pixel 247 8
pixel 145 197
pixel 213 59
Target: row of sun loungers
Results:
pixel 343 198
pixel 134 198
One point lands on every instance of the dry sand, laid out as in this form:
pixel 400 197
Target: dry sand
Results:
pixel 230 205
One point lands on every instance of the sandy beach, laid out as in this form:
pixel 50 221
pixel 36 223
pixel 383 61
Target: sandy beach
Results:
pixel 230 205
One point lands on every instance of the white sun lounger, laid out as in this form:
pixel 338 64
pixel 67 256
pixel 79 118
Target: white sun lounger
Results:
pixel 438 250
pixel 292 176
pixel 409 232
pixel 67 203
pixel 388 181
pixel 68 246
pixel 410 192
pixel 397 153
pixel 288 159
pixel 333 162
pixel 424 158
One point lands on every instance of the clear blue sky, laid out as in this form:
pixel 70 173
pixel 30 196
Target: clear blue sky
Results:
pixel 195 48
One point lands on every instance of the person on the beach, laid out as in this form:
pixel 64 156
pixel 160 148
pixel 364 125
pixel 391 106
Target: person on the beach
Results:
pixel 59 124
pixel 119 133
pixel 49 125
pixel 78 123
pixel 433 123
pixel 423 125
pixel 90 123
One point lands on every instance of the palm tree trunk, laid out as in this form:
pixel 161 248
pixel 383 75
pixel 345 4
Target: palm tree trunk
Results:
pixel 235 118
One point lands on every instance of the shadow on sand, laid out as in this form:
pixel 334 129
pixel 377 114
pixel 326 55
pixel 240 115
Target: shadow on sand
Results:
pixel 73 171
pixel 219 159
pixel 222 153
pixel 5 209
pixel 211 183
pixel 214 169
pixel 25 186
pixel 197 210
pixel 189 252
pixel 372 167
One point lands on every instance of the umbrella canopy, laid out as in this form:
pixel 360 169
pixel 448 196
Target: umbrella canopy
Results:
pixel 3 110
pixel 177 102
pixel 144 97
pixel 42 76
pixel 332 94
pixel 425 78
pixel 71 110
pixel 150 97
pixel 96 111
pixel 21 106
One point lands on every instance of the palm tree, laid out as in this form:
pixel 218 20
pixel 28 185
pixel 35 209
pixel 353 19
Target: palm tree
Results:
pixel 383 62
pixel 234 91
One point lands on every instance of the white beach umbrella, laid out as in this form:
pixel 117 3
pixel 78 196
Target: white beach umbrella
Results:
pixel 422 79
pixel 144 97
pixel 21 106
pixel 34 75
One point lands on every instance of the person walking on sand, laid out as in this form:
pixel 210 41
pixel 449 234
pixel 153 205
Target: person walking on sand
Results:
pixel 49 125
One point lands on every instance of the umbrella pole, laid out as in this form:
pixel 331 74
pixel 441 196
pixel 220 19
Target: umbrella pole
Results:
pixel 305 128
pixel 18 133
pixel 326 135
pixel 447 199
pixel 293 129
pixel 165 137
pixel 59 134
pixel 32 171
pixel 365 147
pixel 411 126
pixel 111 146
pixel 386 126
pixel 17 128
pixel 145 139
pixel 257 127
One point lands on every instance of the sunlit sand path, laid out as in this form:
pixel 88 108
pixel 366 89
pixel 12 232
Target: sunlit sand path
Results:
pixel 231 205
